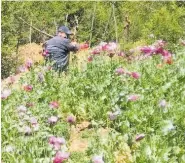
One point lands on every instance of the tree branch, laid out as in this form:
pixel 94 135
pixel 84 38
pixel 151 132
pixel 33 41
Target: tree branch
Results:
pixel 35 27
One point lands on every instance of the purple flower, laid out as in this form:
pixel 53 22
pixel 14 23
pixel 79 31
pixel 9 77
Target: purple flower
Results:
pixel 113 115
pixel 162 103
pixel 33 121
pixel 135 75
pixel 56 142
pixel 120 71
pixel 140 137
pixel 29 63
pixel 60 157
pixel 52 120
pixel 97 159
pixel 21 69
pixel 71 119
pixel 5 93
pixel 27 130
pixel 22 108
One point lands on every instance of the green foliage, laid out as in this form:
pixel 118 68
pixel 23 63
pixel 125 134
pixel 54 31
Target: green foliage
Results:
pixel 163 19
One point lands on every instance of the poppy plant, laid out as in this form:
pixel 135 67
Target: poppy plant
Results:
pixel 28 88
pixel 53 104
pixel 60 157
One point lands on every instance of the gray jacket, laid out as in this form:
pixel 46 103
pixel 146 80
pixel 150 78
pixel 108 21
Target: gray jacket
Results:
pixel 58 49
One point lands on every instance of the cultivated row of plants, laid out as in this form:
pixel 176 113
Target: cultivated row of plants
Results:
pixel 140 103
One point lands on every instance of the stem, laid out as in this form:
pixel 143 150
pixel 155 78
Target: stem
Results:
pixel 92 24
pixel 115 23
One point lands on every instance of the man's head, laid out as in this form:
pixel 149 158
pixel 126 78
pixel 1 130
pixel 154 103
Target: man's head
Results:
pixel 64 31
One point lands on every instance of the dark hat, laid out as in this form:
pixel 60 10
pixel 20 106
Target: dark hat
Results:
pixel 65 30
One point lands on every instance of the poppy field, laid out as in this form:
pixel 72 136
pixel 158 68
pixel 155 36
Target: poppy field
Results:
pixel 131 102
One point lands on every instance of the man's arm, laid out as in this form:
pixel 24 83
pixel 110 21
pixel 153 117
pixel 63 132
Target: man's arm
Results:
pixel 72 46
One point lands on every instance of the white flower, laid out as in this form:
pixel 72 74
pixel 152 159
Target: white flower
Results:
pixel 22 108
pixel 168 126
pixel 5 93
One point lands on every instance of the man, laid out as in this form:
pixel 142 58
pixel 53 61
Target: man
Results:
pixel 58 49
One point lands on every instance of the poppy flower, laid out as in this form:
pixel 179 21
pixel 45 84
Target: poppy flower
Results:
pixel 33 121
pixel 60 157
pixel 52 120
pixel 90 58
pixel 162 103
pixel 45 53
pixel 71 119
pixel 21 69
pixel 28 88
pixel 27 130
pixel 28 63
pixel 56 142
pixel 84 46
pixel 135 75
pixel 133 97
pixel 97 159
pixel 22 108
pixel 113 115
pixel 5 93
pixel 121 54
pixel 168 60
pixel 146 50
pixel 120 71
pixel 53 104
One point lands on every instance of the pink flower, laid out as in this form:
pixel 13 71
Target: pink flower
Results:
pixel 52 140
pixel 135 75
pixel 133 97
pixel 22 108
pixel 97 159
pixel 53 104
pixel 121 54
pixel 162 103
pixel 5 93
pixel 160 43
pixel 28 63
pixel 113 116
pixel 27 130
pixel 139 137
pixel 60 157
pixel 71 119
pixel 21 69
pixel 33 121
pixel 90 58
pixel 56 142
pixel 159 50
pixel 28 88
pixel 60 140
pixel 96 51
pixel 84 46
pixel 146 50
pixel 52 120
pixel 120 71
pixel 45 53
